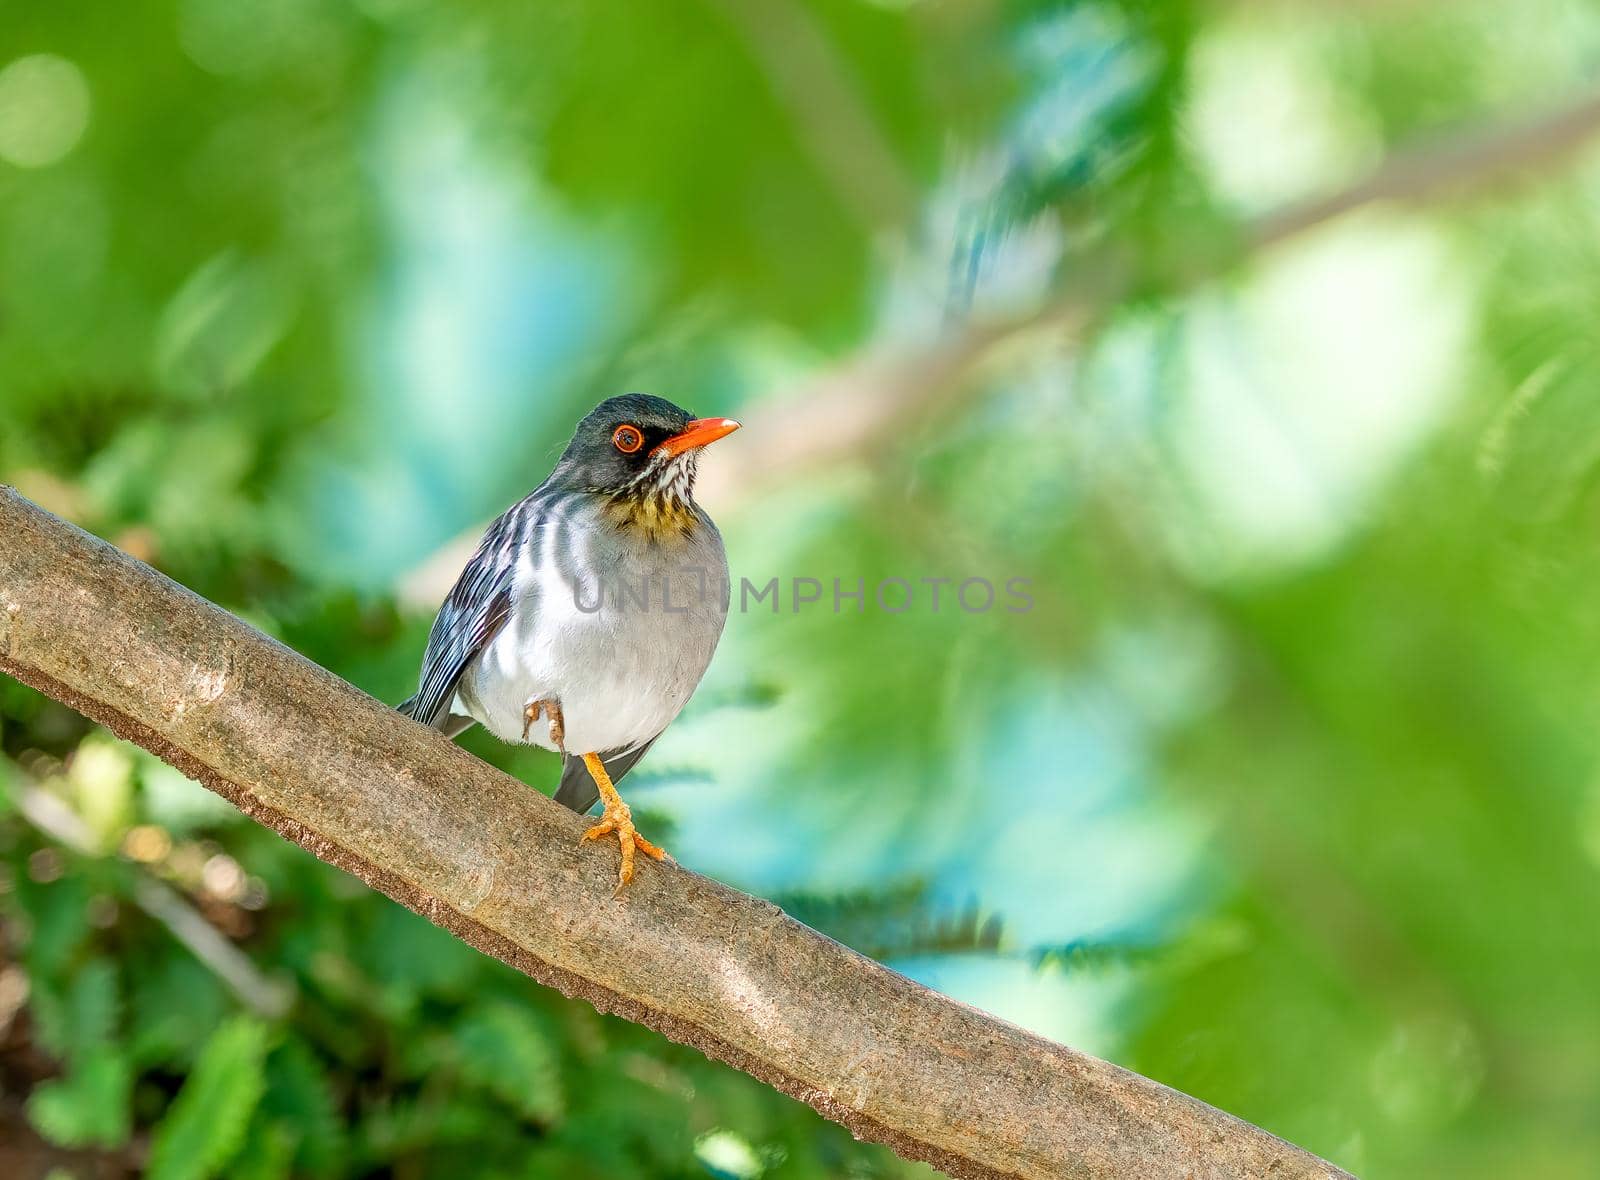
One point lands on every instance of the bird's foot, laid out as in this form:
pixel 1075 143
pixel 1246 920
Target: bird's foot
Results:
pixel 618 818
pixel 558 725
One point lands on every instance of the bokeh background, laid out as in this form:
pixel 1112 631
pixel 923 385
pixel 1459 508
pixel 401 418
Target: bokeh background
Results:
pixel 1284 792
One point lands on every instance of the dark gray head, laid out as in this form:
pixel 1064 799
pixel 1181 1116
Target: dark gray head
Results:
pixel 638 446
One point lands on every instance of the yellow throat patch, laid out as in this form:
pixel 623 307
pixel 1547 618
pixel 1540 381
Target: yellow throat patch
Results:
pixel 657 517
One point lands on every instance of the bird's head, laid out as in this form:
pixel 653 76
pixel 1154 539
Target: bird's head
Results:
pixel 640 450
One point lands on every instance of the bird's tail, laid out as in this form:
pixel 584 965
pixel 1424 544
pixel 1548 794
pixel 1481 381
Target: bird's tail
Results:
pixel 448 723
pixel 578 790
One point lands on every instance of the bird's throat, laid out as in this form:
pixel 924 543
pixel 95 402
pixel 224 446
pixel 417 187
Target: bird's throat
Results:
pixel 653 514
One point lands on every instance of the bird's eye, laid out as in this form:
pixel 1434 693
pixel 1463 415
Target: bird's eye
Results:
pixel 627 439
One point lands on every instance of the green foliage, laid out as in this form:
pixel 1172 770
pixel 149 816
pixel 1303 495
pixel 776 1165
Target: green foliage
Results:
pixel 503 1049
pixel 89 1107
pixel 172 995
pixel 80 1020
pixel 208 1120
pixel 57 913
pixel 299 1113
pixel 896 922
pixel 1284 790
pixel 268 1154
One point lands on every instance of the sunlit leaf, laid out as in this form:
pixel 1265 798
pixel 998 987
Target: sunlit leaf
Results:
pixel 206 1122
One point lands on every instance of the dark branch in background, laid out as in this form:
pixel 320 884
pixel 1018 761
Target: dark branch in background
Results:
pixel 500 866
pixel 852 410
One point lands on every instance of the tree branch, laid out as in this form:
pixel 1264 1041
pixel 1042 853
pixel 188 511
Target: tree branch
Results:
pixel 500 866
pixel 853 409
pixel 1467 161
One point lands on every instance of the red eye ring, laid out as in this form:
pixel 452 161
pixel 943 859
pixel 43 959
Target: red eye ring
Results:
pixel 627 439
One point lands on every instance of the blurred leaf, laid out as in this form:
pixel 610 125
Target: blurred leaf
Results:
pixel 430 1123
pixel 101 776
pixel 504 1050
pixel 78 1023
pixel 206 1123
pixel 268 1153
pixel 59 915
pixel 1082 955
pixel 176 802
pixel 1540 454
pixel 299 1099
pixel 90 1107
pixel 174 999
pixel 901 922
pixel 219 326
pixel 408 955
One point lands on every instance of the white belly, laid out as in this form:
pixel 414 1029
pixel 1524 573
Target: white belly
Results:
pixel 620 667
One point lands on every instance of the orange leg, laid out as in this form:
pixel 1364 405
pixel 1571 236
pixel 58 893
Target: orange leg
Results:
pixel 618 818
pixel 558 726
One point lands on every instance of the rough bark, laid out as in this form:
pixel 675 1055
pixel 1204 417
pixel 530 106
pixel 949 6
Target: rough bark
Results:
pixel 500 866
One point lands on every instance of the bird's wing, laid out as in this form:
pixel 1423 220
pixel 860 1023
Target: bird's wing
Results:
pixel 478 606
pixel 577 789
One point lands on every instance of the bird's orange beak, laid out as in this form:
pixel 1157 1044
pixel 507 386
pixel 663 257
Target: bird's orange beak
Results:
pixel 697 433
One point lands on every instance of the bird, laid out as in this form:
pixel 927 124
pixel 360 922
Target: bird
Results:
pixel 590 610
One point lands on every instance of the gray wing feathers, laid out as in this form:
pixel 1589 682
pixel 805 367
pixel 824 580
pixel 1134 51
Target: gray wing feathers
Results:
pixel 476 609
pixel 577 789
pixel 451 724
pixel 474 612
pixel 455 724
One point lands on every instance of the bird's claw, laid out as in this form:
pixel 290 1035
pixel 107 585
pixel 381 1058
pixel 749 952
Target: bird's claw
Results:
pixel 558 730
pixel 619 819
